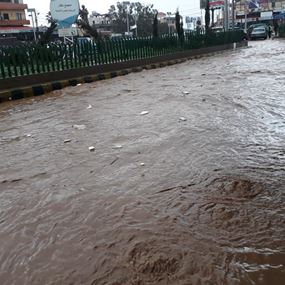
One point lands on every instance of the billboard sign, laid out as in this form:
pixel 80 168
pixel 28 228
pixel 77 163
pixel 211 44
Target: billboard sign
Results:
pixel 266 15
pixel 65 12
pixel 216 3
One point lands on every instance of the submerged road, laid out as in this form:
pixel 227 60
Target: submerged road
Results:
pixel 192 192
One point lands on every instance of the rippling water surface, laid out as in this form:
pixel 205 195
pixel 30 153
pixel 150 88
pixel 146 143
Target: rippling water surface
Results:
pixel 199 201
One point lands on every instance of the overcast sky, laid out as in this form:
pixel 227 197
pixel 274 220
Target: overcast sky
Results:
pixel 186 7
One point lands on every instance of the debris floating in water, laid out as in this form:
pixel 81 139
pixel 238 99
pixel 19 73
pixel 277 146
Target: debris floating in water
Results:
pixel 142 164
pixel 29 135
pixel 89 106
pixel 117 146
pixel 185 93
pixel 79 84
pixel 117 158
pixel 91 148
pixel 67 141
pixel 79 127
pixel 144 113
pixel 182 119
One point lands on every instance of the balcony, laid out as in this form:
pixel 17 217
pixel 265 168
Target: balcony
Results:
pixel 13 23
pixel 12 6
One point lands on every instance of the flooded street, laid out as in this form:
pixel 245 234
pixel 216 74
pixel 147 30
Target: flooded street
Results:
pixel 190 193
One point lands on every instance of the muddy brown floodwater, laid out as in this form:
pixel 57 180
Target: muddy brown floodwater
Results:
pixel 182 202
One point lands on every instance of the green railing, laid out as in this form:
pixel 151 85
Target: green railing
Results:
pixel 282 31
pixel 34 59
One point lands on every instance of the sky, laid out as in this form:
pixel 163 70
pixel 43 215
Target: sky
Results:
pixel 186 7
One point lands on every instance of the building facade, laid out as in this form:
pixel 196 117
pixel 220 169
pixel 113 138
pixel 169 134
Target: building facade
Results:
pixel 13 22
pixel 102 22
pixel 260 10
pixel 12 13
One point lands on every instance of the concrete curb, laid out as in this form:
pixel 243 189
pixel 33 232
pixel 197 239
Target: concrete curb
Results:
pixel 41 89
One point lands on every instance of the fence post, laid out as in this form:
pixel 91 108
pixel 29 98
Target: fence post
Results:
pixel 2 66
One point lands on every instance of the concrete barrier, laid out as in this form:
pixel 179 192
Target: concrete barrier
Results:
pixel 39 84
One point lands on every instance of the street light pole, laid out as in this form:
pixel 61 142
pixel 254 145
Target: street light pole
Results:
pixel 127 4
pixel 37 23
pixel 32 11
pixel 245 16
pixel 136 17
pixel 169 13
pixel 233 14
pixel 128 26
pixel 226 15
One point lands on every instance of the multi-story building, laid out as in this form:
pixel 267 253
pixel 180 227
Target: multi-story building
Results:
pixel 260 10
pixel 101 22
pixel 12 16
pixel 168 19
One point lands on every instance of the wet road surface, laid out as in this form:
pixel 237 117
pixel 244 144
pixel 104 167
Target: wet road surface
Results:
pixel 161 200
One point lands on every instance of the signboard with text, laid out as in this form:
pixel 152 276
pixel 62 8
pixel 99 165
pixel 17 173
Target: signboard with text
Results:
pixel 212 3
pixel 216 3
pixel 65 12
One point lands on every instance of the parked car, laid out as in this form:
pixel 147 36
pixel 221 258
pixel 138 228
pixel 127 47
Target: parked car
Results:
pixel 258 33
pixel 253 26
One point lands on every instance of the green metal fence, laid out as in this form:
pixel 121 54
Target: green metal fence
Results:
pixel 282 31
pixel 35 59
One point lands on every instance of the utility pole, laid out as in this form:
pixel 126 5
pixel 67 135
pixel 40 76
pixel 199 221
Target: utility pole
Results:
pixel 245 16
pixel 128 25
pixel 233 14
pixel 136 20
pixel 213 16
pixel 226 15
pixel 169 14
pixel 37 23
pixel 127 4
pixel 33 13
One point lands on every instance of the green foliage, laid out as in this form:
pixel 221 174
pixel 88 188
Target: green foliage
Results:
pixel 84 25
pixel 47 35
pixel 144 14
pixel 179 26
pixel 163 28
pixel 35 59
pixel 281 31
pixel 155 26
pixel 207 17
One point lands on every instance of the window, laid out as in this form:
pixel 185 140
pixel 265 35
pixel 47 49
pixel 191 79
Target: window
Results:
pixel 7 1
pixel 5 16
pixel 18 16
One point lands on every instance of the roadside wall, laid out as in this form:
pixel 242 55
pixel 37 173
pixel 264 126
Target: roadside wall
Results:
pixel 38 84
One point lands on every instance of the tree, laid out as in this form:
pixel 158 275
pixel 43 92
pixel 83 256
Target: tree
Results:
pixel 207 17
pixel 179 26
pixel 163 28
pixel 138 13
pixel 84 25
pixel 155 27
pixel 47 35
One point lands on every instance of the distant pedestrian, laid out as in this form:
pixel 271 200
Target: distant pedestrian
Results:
pixel 269 31
pixel 275 29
